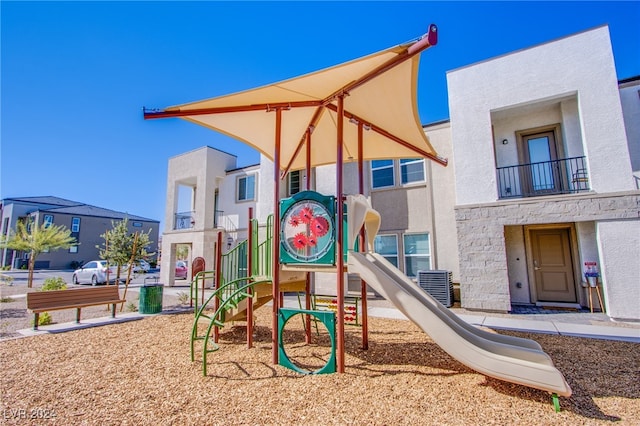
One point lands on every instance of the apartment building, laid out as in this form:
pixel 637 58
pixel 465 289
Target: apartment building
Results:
pixel 544 164
pixel 86 222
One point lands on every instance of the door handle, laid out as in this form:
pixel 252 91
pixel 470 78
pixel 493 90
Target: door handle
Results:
pixel 535 265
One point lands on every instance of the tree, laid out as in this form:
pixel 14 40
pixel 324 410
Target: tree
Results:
pixel 182 251
pixel 119 244
pixel 34 239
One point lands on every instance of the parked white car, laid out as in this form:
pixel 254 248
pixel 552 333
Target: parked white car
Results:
pixel 141 266
pixel 94 273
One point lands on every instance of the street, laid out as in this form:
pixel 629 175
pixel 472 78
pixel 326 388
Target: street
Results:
pixel 20 277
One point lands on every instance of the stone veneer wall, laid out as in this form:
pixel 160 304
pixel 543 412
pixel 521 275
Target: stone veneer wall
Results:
pixel 484 282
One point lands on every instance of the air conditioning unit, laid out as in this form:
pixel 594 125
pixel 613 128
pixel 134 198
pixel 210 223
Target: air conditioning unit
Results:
pixel 438 284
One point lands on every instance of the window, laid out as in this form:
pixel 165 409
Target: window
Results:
pixel 387 246
pixel 417 255
pixel 246 188
pixel 137 224
pixel 75 224
pixel 73 249
pixel 382 173
pixel 48 220
pixel 294 182
pixel 411 170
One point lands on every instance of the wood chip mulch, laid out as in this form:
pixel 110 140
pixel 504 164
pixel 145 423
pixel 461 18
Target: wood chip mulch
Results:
pixel 140 373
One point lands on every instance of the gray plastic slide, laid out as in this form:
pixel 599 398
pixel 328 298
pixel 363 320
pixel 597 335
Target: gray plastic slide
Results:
pixel 512 359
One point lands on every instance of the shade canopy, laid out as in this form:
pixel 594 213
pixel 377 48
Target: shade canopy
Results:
pixel 379 92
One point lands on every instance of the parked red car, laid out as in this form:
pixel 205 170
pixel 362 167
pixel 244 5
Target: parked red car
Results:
pixel 181 269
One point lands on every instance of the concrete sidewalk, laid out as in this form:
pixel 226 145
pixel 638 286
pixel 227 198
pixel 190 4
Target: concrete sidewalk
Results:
pixel 567 324
pixel 551 326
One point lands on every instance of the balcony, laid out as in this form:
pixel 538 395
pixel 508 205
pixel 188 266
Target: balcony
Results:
pixel 187 220
pixel 565 176
pixel 184 220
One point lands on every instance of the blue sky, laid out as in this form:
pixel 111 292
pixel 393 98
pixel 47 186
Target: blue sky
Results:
pixel 75 75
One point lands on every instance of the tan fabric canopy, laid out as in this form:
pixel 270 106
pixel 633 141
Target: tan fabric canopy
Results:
pixel 380 93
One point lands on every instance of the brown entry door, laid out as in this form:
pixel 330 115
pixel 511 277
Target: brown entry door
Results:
pixel 552 265
pixel 540 175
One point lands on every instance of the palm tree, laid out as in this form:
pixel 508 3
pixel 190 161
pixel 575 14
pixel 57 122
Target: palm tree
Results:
pixel 36 239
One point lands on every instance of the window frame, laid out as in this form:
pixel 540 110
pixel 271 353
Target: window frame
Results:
pixel 289 182
pixel 387 255
pixel 407 256
pixel 409 161
pixel 374 169
pixel 245 178
pixel 47 220
pixel 75 225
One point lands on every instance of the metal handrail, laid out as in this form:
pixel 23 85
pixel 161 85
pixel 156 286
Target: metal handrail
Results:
pixel 193 287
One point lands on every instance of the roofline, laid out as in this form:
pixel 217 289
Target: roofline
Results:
pixel 202 147
pixel 76 204
pixel 125 215
pixel 237 169
pixel 436 123
pixel 26 201
pixel 528 48
pixel 624 81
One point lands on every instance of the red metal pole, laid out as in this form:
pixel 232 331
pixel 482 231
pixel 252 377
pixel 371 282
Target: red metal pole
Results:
pixel 308 160
pixel 276 238
pixel 250 243
pixel 363 284
pixel 307 287
pixel 216 301
pixel 339 236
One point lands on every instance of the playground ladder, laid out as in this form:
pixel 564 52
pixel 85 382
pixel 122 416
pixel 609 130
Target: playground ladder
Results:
pixel 235 287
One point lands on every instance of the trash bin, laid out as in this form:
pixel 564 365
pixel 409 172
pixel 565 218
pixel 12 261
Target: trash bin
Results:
pixel 150 299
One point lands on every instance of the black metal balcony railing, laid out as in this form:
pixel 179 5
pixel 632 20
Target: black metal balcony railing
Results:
pixel 565 176
pixel 184 220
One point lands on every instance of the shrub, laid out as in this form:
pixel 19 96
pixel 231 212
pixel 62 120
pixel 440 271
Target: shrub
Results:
pixel 44 319
pixel 56 283
pixel 6 279
pixel 75 264
pixel 132 307
pixel 7 300
pixel 183 298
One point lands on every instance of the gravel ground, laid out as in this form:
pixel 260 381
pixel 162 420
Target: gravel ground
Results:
pixel 140 373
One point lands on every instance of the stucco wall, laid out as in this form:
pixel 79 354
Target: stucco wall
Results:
pixel 630 98
pixel 441 184
pixel 619 245
pixel 517 264
pixel 202 169
pixel 236 213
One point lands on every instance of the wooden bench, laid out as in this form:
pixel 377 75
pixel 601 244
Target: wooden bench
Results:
pixel 74 298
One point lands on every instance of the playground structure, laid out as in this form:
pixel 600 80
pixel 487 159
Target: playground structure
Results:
pixel 243 282
pixel 322 113
pixel 512 359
